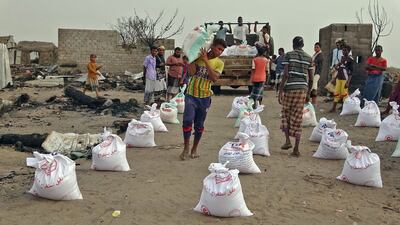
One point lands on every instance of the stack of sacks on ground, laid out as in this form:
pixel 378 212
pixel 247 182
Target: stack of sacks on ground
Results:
pixel 389 129
pixel 240 155
pixel 369 116
pixel 55 177
pixel 153 116
pixel 333 145
pixel 362 167
pixel 309 117
pixel 319 130
pixel 351 105
pixel 222 193
pixel 195 40
pixel 246 112
pixel 237 104
pixel 257 132
pixel 110 154
pixel 169 112
pixel 179 99
pixel 139 134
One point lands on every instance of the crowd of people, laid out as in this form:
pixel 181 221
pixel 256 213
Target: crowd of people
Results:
pixel 294 75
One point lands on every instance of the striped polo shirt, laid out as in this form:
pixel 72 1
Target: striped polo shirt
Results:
pixel 299 64
pixel 200 84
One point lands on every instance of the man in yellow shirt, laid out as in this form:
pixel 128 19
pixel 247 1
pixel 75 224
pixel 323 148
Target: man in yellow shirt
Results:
pixel 204 72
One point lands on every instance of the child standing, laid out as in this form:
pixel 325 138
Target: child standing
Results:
pixel 258 76
pixel 204 71
pixel 92 81
pixel 149 71
pixel 343 78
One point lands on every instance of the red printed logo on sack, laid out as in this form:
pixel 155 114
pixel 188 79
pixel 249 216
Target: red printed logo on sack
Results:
pixel 107 142
pixel 167 110
pixel 358 155
pixel 48 168
pixel 219 180
pixel 344 178
pixel 205 210
pixel 389 138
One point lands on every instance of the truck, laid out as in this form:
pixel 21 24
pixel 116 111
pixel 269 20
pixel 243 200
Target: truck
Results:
pixel 237 69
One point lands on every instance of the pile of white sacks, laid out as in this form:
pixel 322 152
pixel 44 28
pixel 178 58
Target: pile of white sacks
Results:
pixel 55 176
pixel 361 166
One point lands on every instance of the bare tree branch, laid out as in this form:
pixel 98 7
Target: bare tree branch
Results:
pixel 147 29
pixel 381 23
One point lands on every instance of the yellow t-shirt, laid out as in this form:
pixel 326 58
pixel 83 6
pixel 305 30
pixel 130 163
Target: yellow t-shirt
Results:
pixel 200 84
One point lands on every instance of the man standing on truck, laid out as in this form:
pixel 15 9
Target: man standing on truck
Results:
pixel 263 36
pixel 221 33
pixel 204 72
pixel 294 91
pixel 240 32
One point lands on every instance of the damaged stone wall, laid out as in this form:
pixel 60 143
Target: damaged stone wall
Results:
pixel 75 46
pixel 47 52
pixel 359 37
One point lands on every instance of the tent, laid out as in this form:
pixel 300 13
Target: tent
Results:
pixel 5 71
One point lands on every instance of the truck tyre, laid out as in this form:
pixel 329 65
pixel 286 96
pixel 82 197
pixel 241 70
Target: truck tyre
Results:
pixel 216 90
pixel 235 86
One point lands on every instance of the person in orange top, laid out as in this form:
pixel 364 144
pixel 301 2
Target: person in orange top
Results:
pixel 92 81
pixel 258 76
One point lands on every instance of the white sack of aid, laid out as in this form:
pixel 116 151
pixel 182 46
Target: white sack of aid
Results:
pixel 247 111
pixel 153 116
pixel 55 177
pixel 252 116
pixel 110 154
pixel 195 40
pixel 258 133
pixel 351 105
pixel 309 117
pixel 369 116
pixel 333 145
pixel 179 99
pixel 139 134
pixel 319 130
pixel 240 155
pixel 389 129
pixel 222 193
pixel 169 112
pixel 237 104
pixel 362 167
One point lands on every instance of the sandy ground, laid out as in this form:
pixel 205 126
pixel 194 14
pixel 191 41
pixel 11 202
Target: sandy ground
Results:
pixel 160 189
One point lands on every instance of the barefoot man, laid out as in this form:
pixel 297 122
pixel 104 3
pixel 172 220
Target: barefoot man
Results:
pixel 294 91
pixel 204 72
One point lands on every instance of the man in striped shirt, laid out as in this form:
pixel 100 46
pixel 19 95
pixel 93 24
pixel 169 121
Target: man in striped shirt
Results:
pixel 294 91
pixel 204 72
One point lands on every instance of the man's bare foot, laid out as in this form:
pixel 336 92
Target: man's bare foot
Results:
pixel 184 154
pixel 295 154
pixel 194 156
pixel 286 146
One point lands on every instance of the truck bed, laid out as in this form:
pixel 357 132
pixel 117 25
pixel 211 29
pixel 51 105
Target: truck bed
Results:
pixel 237 70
